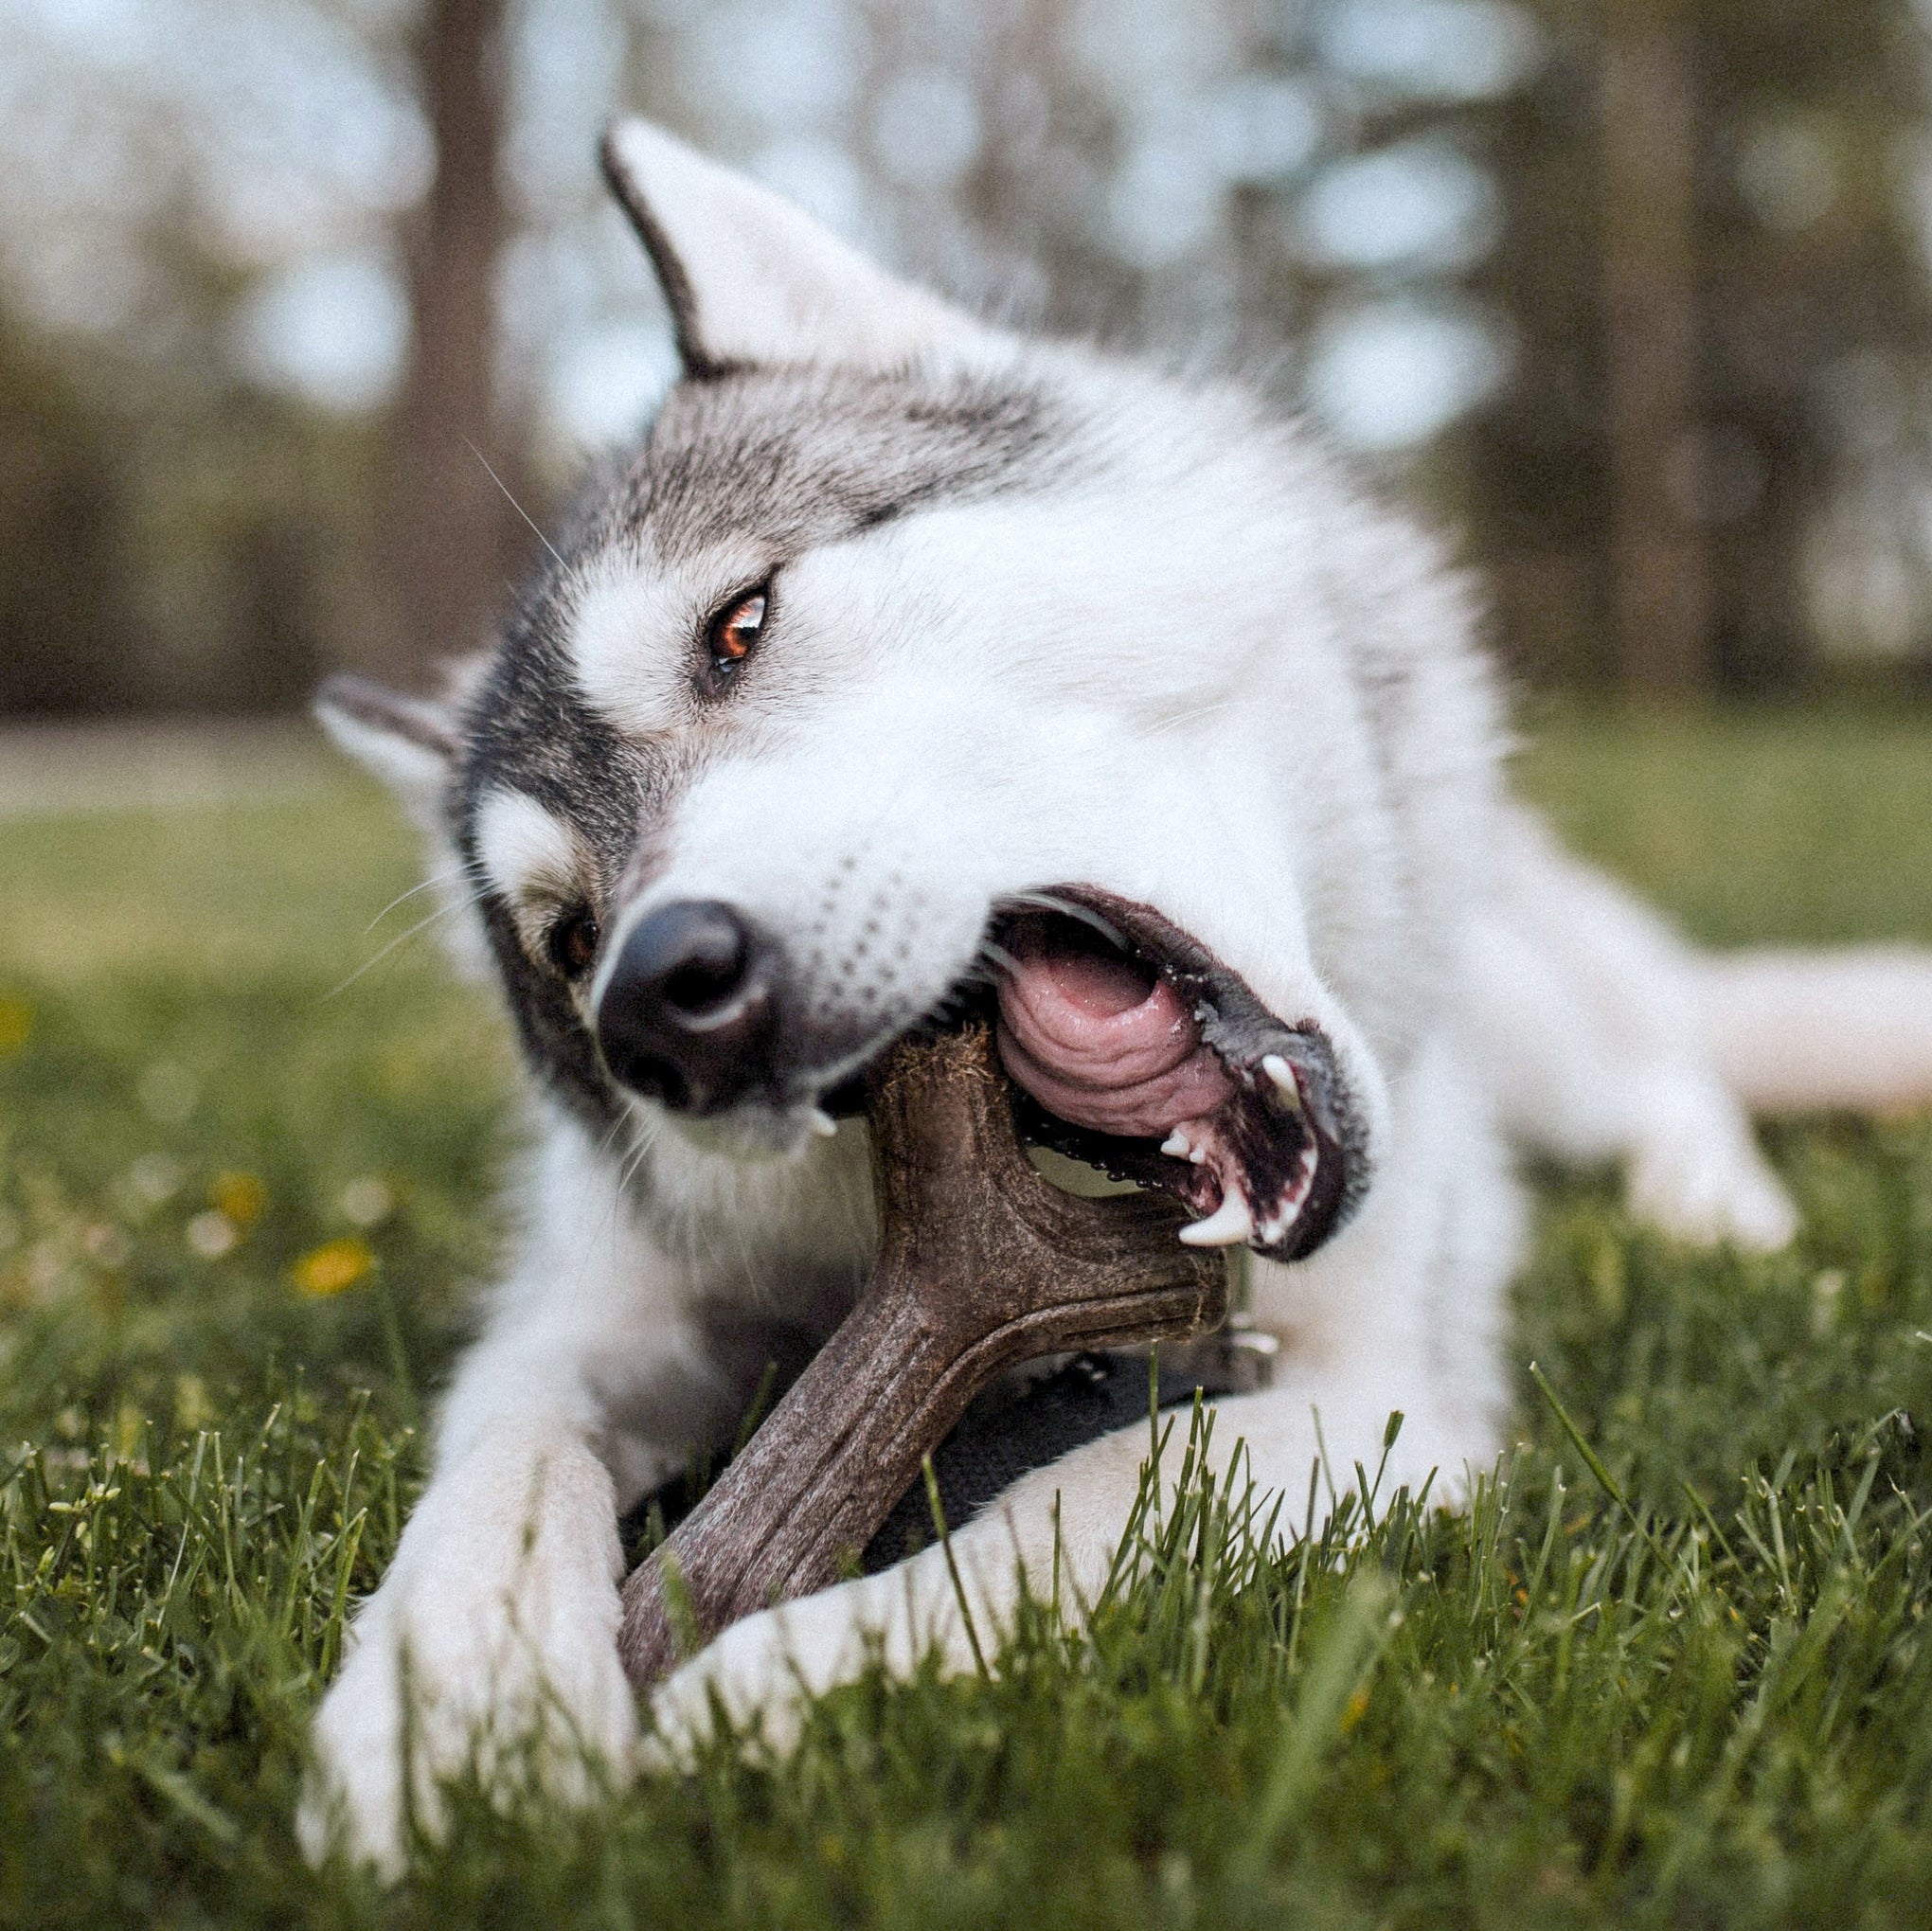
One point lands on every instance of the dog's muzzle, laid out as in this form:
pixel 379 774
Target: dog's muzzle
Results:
pixel 1129 1046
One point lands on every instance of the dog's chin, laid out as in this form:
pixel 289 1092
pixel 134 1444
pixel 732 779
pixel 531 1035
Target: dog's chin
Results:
pixel 751 1132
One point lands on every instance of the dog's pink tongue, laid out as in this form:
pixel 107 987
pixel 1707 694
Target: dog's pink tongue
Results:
pixel 1103 1043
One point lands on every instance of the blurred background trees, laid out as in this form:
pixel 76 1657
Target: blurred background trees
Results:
pixel 1632 294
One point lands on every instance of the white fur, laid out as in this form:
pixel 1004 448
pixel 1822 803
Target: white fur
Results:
pixel 1787 1030
pixel 525 851
pixel 768 278
pixel 1167 681
pixel 631 616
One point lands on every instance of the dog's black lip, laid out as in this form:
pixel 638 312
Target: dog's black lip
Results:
pixel 847 1101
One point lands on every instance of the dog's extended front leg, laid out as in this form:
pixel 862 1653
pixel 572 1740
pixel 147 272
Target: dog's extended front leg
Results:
pixel 492 1638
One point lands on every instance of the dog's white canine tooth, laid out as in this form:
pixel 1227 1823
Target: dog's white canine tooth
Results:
pixel 1282 1074
pixel 1199 1156
pixel 1176 1144
pixel 821 1122
pixel 1228 1226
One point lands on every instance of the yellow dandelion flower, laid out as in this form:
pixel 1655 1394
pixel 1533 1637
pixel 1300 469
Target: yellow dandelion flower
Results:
pixel 241 1196
pixel 16 1022
pixel 332 1267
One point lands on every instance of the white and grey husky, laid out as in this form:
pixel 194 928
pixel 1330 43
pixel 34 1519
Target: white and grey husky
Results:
pixel 891 629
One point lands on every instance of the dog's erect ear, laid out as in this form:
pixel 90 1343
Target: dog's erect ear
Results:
pixel 410 742
pixel 750 278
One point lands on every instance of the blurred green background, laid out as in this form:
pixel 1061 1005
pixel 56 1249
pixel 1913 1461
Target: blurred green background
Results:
pixel 1632 294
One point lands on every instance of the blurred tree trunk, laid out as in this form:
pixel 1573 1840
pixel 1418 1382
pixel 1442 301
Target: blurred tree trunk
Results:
pixel 1661 588
pixel 449 533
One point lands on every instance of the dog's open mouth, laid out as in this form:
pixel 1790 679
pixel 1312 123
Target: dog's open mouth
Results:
pixel 1135 1051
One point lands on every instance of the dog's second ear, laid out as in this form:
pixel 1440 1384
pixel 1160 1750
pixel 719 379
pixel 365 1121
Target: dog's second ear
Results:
pixel 411 744
pixel 752 280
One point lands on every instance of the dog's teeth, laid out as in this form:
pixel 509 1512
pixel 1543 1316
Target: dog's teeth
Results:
pixel 1176 1145
pixel 821 1122
pixel 1282 1074
pixel 1198 1158
pixel 1228 1226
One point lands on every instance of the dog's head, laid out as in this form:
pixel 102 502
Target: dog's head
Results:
pixel 904 663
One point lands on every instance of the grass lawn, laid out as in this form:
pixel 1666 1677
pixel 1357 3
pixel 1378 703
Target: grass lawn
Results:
pixel 239 1222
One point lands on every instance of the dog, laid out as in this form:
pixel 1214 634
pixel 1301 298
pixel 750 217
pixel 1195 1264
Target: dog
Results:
pixel 906 661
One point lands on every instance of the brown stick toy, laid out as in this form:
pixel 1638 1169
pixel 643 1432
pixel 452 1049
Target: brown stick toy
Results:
pixel 981 1263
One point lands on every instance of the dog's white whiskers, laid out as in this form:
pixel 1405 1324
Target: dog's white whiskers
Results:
pixel 627 1117
pixel 515 504
pixel 402 938
pixel 1189 717
pixel 616 1127
pixel 633 1162
pixel 640 1147
pixel 439 877
pixel 1072 908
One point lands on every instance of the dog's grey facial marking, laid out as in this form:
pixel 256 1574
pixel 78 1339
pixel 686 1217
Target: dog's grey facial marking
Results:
pixel 527 733
pixel 780 460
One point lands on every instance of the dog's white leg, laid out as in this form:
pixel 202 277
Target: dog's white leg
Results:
pixel 494 1632
pixel 493 1637
pixel 1584 1007
pixel 1399 1312
pixel 1055 1532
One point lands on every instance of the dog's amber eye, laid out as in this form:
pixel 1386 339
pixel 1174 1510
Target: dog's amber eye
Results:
pixel 573 943
pixel 735 632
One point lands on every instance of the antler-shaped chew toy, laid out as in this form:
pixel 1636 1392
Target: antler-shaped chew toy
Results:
pixel 981 1263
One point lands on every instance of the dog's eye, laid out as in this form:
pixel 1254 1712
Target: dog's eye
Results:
pixel 573 943
pixel 733 634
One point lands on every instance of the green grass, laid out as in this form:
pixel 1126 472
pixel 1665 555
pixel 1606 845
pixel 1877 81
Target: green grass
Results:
pixel 1696 1691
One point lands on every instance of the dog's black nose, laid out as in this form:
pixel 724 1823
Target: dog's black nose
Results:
pixel 689 1012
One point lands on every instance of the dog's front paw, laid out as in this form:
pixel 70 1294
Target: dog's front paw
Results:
pixel 487 1649
pixel 755 1673
pixel 764 1672
pixel 1710 1201
pixel 1700 1176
